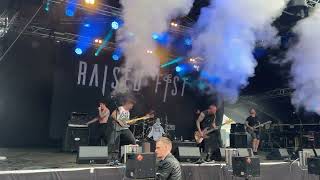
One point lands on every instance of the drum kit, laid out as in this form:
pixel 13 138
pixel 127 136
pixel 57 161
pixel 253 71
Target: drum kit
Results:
pixel 142 130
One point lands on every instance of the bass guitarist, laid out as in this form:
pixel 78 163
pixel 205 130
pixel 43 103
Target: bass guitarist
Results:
pixel 207 119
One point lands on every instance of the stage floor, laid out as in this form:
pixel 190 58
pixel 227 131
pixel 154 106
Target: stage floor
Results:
pixel 52 164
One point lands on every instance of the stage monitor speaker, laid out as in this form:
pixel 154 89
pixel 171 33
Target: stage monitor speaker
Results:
pixel 141 166
pixel 238 140
pixel 245 152
pixel 92 155
pixel 246 166
pixel 188 154
pixel 314 165
pixel 75 137
pixel 278 154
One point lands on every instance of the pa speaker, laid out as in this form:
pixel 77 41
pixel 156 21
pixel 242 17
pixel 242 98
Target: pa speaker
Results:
pixel 141 166
pixel 314 165
pixel 278 154
pixel 188 154
pixel 246 166
pixel 92 155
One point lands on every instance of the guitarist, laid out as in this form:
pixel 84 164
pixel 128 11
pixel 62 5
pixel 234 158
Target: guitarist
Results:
pixel 206 119
pixel 250 123
pixel 122 131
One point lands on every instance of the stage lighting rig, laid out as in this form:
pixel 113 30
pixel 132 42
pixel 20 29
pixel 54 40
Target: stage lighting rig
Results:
pixel 312 3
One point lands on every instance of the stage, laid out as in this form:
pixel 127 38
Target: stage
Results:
pixel 51 164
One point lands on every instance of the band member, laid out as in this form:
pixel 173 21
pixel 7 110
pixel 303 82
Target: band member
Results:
pixel 122 131
pixel 206 119
pixel 168 167
pixel 102 118
pixel 251 122
pixel 157 130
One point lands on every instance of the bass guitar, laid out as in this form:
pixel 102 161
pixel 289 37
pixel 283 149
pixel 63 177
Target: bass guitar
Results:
pixel 208 130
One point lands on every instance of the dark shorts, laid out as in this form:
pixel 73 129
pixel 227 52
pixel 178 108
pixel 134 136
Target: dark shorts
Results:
pixel 254 134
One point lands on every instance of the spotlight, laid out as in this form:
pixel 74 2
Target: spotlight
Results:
pixel 188 41
pixel 98 41
pixel 91 2
pixel 155 36
pixel 86 25
pixel 115 57
pixel 192 60
pixel 115 25
pixel 174 24
pixel 149 51
pixel 78 51
pixel 70 12
pixel 178 69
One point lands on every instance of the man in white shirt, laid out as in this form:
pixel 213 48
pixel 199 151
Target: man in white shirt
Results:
pixel 120 117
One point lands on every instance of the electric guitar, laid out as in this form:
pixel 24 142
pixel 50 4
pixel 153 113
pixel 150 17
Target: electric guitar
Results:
pixel 255 128
pixel 208 130
pixel 126 124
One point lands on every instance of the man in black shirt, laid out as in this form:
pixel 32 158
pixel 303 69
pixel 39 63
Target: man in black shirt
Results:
pixel 207 119
pixel 251 122
pixel 168 167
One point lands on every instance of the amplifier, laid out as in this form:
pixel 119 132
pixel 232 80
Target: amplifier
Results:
pixel 246 166
pixel 129 149
pixel 75 136
pixel 92 155
pixel 237 128
pixel 238 140
pixel 141 166
pixel 314 165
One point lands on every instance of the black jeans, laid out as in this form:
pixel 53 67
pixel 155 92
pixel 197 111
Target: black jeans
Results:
pixel 118 138
pixel 103 133
pixel 212 144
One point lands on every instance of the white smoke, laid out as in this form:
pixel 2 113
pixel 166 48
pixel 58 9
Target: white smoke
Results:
pixel 229 31
pixel 142 18
pixel 305 58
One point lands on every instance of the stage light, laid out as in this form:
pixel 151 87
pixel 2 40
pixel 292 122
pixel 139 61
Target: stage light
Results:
pixel 188 41
pixel 115 57
pixel 69 12
pixel 192 60
pixel 174 24
pixel 98 41
pixel 115 25
pixel 87 25
pixel 149 51
pixel 103 42
pixel 178 69
pixel 155 36
pixel 78 51
pixel 117 54
pixel 47 6
pixel 91 2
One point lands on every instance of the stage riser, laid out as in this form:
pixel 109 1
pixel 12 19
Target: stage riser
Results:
pixel 190 172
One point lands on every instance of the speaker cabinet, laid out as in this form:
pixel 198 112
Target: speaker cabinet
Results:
pixel 92 155
pixel 278 154
pixel 141 166
pixel 75 137
pixel 237 128
pixel 238 140
pixel 314 165
pixel 246 166
pixel 188 154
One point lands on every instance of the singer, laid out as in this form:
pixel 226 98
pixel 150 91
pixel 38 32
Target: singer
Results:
pixel 103 117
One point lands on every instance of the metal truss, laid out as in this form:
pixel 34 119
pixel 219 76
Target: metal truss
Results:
pixel 268 95
pixel 312 3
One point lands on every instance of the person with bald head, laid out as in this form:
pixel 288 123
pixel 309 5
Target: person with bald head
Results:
pixel 168 167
